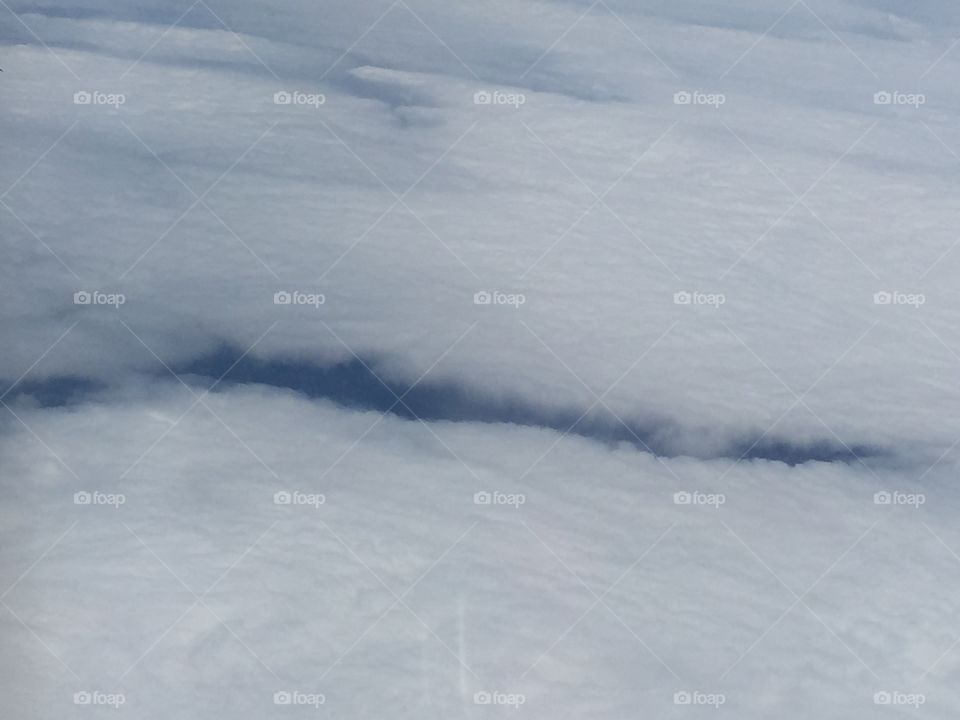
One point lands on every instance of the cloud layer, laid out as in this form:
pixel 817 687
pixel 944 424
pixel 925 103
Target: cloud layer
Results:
pixel 598 199
pixel 585 585
pixel 709 233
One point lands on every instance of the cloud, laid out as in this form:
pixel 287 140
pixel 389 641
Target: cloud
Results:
pixel 697 591
pixel 398 207
pixel 720 227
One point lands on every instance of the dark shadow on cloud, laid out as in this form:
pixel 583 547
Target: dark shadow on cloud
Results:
pixel 353 385
pixel 52 392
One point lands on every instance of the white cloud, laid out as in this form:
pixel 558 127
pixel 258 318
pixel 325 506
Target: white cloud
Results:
pixel 604 203
pixel 291 581
pixel 499 199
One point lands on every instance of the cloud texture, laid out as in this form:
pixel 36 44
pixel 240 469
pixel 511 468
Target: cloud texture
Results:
pixel 731 227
